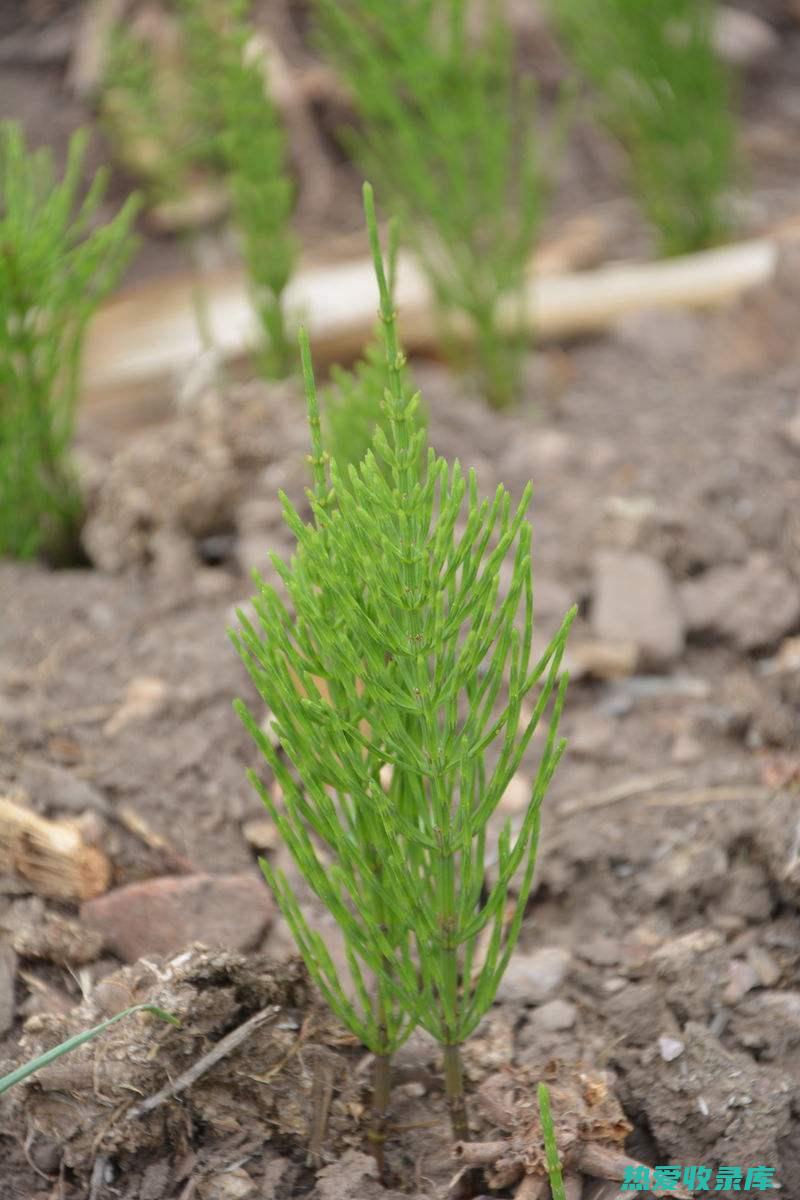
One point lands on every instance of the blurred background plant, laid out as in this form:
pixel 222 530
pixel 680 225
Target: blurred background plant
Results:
pixel 56 265
pixel 196 113
pixel 666 96
pixel 228 69
pixel 447 134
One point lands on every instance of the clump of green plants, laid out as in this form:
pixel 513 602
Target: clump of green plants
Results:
pixel 397 676
pixel 666 97
pixel 56 265
pixel 447 134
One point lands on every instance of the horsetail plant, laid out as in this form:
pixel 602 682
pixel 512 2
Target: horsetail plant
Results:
pixel 56 265
pixel 396 677
pixel 229 90
pixel 448 135
pixel 666 96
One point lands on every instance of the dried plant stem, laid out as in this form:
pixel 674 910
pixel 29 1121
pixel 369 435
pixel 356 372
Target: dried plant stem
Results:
pixel 454 1090
pixel 479 1154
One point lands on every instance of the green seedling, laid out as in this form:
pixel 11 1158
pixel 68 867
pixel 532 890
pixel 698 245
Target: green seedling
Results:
pixel 550 1145
pixel 396 677
pixel 447 134
pixel 56 265
pixel 667 99
pixel 44 1060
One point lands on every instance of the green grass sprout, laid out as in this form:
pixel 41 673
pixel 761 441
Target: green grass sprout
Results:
pixel 550 1145
pixel 44 1060
pixel 392 673
pixel 56 265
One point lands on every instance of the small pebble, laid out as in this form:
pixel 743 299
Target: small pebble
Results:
pixel 764 965
pixel 601 952
pixel 670 1048
pixel 742 978
pixel 555 1016
pixel 534 978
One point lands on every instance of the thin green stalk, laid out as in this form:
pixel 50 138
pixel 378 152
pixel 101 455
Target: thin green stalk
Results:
pixel 551 1145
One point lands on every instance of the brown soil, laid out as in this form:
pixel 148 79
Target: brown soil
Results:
pixel 669 869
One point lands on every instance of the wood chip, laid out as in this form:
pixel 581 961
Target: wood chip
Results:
pixel 52 856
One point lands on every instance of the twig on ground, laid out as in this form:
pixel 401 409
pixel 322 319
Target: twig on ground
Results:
pixel 222 1048
pixel 635 786
pixel 715 793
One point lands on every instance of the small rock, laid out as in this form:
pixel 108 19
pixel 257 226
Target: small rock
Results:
pixel 626 521
pixel 261 834
pixel 742 979
pixel 162 916
pixel 670 1048
pixel 534 978
pixel 753 604
pixel 592 737
pixel 764 965
pixel 634 601
pixel 57 788
pixel 785 662
pixel 742 39
pixel 749 894
pixel 686 749
pixel 230 1185
pixel 354 1174
pixel 8 979
pixel 592 658
pixel 601 951
pixel 58 940
pixel 555 1016
pixel 145 697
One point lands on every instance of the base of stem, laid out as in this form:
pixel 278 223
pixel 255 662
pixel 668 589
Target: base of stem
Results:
pixel 454 1090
